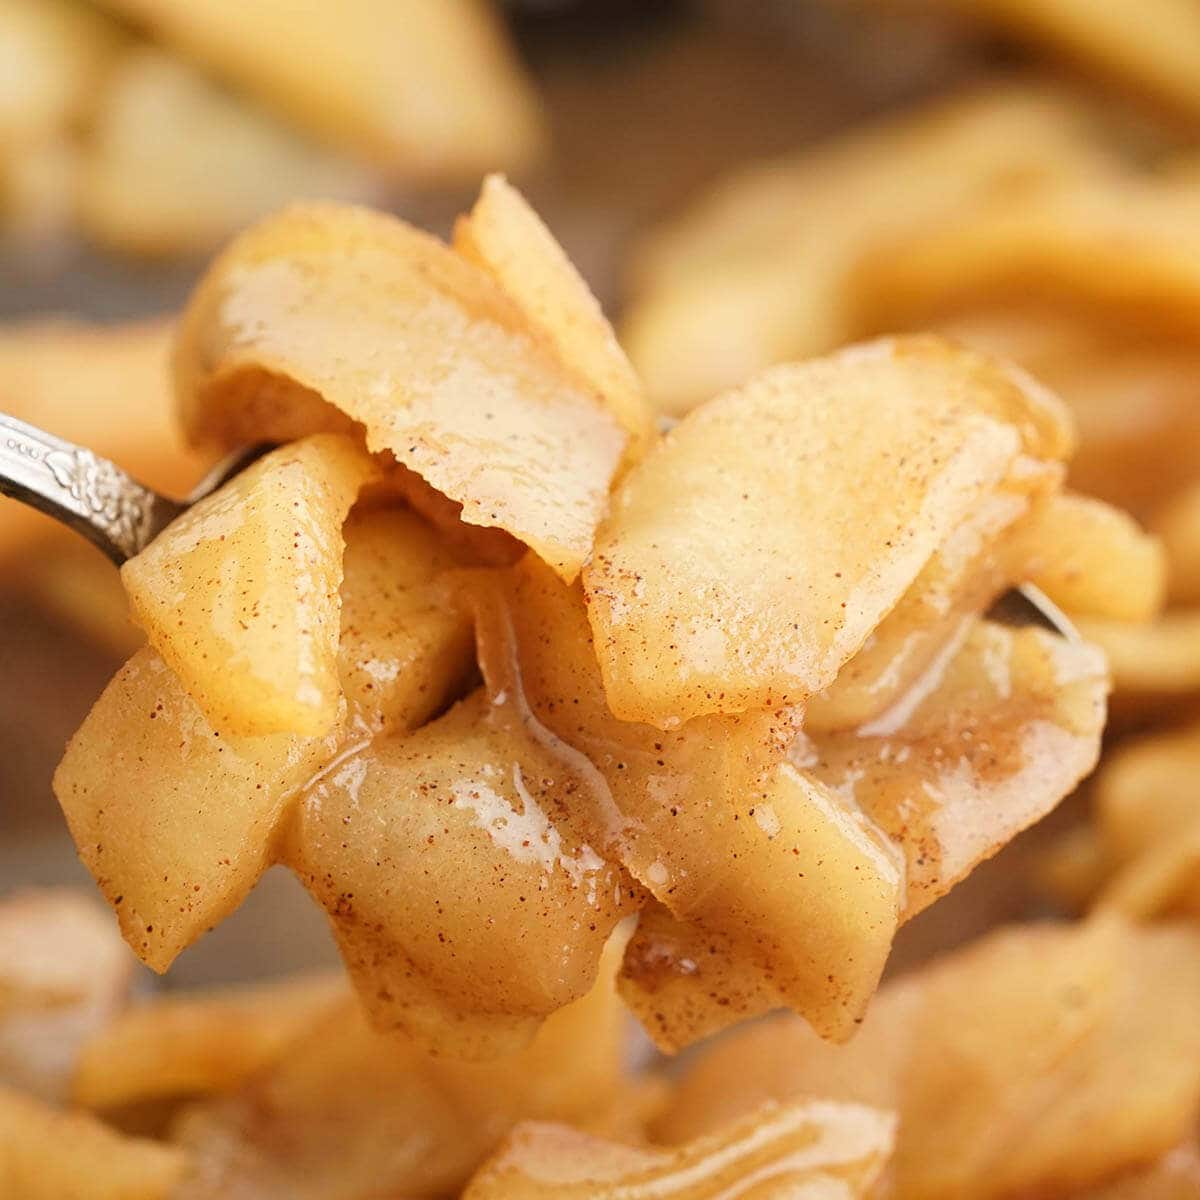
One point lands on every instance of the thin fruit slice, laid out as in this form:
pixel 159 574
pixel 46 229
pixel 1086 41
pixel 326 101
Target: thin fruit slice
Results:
pixel 761 542
pixel 240 594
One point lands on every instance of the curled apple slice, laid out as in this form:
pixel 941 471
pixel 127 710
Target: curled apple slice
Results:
pixel 325 317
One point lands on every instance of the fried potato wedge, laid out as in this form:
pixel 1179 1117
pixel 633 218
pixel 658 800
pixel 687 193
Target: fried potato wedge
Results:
pixel 197 1043
pixel 761 269
pixel 177 822
pixel 63 974
pixel 323 316
pixel 467 904
pixel 173 164
pixel 103 386
pixel 350 1114
pixel 752 553
pixel 240 594
pixel 1153 49
pixel 1042 1059
pixel 509 240
pixel 429 92
pixel 810 1148
pixel 47 1154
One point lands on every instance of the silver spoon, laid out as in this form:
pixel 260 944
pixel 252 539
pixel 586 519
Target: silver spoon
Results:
pixel 108 506
pixel 92 495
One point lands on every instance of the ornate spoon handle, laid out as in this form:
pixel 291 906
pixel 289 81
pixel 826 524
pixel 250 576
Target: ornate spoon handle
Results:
pixel 80 489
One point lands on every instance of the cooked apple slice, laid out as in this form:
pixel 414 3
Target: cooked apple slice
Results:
pixel 817 1148
pixel 323 316
pixel 984 745
pixel 177 821
pixel 240 594
pixel 427 92
pixel 510 241
pixel 1093 559
pixel 467 904
pixel 760 543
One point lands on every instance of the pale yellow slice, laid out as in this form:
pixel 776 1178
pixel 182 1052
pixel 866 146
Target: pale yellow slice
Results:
pixel 756 548
pixel 240 594
pixel 324 316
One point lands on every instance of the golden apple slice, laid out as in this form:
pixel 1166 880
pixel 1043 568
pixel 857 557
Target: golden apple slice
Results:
pixel 240 594
pixel 323 316
pixel 762 268
pixel 982 746
pixel 177 821
pixel 466 902
pixel 761 542
pixel 509 240
pixel 814 1149
pixel 174 163
pixel 1093 559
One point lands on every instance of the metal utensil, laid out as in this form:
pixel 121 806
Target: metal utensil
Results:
pixel 92 495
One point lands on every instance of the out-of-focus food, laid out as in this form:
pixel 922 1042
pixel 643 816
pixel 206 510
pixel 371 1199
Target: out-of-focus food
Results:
pixel 1042 1060
pixel 1177 523
pixel 166 149
pixel 181 1046
pixel 1141 852
pixel 174 163
pixel 48 1154
pixel 349 1114
pixel 63 975
pixel 1151 49
pixel 811 500
pixel 240 594
pixel 424 88
pixel 324 316
pixel 53 55
pixel 760 270
pixel 641 737
pixel 815 1148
